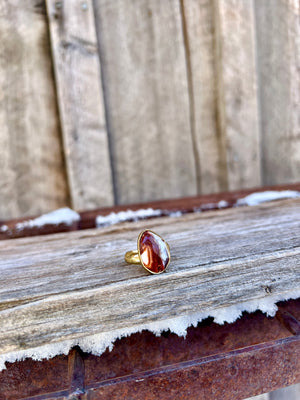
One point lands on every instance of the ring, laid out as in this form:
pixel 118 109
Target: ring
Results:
pixel 153 252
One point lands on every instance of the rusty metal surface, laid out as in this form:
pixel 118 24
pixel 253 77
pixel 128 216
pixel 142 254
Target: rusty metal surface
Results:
pixel 201 203
pixel 141 352
pixel 13 232
pixel 184 205
pixel 235 375
pixel 255 354
pixel 27 378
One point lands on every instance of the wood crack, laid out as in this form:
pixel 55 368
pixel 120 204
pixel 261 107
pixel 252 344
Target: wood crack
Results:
pixel 191 99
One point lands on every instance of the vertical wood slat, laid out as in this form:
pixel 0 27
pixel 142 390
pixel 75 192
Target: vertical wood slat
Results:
pixel 32 179
pixel 199 28
pixel 80 98
pixel 145 80
pixel 237 91
pixel 221 49
pixel 278 32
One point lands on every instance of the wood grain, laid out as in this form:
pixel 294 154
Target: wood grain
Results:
pixel 80 95
pixel 32 179
pixel 278 32
pixel 199 30
pixel 76 284
pixel 288 393
pixel 264 396
pixel 238 115
pixel 145 81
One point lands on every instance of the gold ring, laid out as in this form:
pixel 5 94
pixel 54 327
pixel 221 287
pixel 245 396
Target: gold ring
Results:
pixel 153 252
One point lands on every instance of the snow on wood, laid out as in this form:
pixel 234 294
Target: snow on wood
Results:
pixel 128 215
pixel 256 198
pixel 61 216
pixel 76 289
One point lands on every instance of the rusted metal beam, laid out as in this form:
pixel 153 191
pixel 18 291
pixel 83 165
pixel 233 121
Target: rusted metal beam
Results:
pixel 184 205
pixel 228 376
pixel 255 354
pixel 76 373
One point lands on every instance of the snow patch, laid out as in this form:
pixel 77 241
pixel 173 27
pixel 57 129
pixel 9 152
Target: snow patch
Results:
pixel 98 343
pixel 223 204
pixel 123 216
pixel 254 199
pixel 4 228
pixel 61 216
pixel 208 206
pixel 175 214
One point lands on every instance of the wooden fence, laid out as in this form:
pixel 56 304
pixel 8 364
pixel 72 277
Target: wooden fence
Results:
pixel 111 102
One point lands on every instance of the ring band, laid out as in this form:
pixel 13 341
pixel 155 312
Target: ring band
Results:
pixel 153 252
pixel 132 257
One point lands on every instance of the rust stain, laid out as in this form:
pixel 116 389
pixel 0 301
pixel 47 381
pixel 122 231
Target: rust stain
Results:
pixel 254 355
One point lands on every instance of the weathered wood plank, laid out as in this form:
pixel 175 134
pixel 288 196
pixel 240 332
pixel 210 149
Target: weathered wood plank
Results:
pixel 52 284
pixel 199 31
pixel 80 95
pixel 288 393
pixel 238 115
pixel 145 81
pixel 278 32
pixel 32 179
pixel 264 396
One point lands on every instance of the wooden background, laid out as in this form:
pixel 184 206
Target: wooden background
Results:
pixel 111 102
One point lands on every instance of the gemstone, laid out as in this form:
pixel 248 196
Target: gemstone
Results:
pixel 154 252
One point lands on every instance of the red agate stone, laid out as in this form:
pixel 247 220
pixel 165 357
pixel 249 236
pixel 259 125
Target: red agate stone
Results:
pixel 154 252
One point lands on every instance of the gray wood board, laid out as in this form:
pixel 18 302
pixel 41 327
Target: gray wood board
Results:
pixel 238 110
pixel 146 93
pixel 278 55
pixel 71 285
pixel 32 179
pixel 80 99
pixel 198 22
